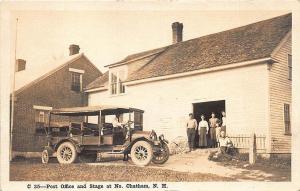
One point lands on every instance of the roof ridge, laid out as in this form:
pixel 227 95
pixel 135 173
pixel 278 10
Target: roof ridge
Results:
pixel 92 64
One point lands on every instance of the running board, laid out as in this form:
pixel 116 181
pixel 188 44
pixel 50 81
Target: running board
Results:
pixel 115 152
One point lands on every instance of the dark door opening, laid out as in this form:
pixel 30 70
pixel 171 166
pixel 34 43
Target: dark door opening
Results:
pixel 206 108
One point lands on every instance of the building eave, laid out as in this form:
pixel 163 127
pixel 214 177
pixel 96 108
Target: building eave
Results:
pixel 282 42
pixel 96 89
pixel 201 71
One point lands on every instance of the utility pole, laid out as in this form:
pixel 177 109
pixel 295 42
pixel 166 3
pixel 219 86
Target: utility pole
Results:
pixel 13 93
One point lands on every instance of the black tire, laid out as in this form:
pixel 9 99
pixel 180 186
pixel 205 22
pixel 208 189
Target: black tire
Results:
pixel 45 157
pixel 87 157
pixel 66 153
pixel 162 156
pixel 141 153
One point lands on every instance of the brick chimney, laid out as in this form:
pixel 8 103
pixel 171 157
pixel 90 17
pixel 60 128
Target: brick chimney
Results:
pixel 20 65
pixel 74 49
pixel 177 32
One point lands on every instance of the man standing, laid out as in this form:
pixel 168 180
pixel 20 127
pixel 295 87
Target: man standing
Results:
pixel 191 126
pixel 213 124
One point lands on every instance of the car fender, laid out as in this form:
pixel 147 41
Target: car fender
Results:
pixel 164 141
pixel 128 148
pixel 76 144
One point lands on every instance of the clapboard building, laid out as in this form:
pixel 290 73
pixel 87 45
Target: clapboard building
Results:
pixel 245 71
pixel 61 87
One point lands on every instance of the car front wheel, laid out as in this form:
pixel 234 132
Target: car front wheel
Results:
pixel 66 153
pixel 141 153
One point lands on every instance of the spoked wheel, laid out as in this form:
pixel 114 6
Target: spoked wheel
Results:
pixel 66 153
pixel 162 155
pixel 141 153
pixel 45 157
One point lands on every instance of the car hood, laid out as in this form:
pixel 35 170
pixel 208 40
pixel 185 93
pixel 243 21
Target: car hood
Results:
pixel 142 132
pixel 137 134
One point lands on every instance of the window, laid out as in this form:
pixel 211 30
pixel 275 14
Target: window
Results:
pixel 116 82
pixel 290 67
pixel 121 80
pixel 75 81
pixel 138 120
pixel 41 120
pixel 41 116
pixel 287 119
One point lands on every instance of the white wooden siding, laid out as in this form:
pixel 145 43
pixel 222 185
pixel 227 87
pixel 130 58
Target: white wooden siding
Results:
pixel 168 102
pixel 280 93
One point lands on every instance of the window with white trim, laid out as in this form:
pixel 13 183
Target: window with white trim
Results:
pixel 41 120
pixel 41 117
pixel 116 82
pixel 121 80
pixel 290 66
pixel 113 83
pixel 76 81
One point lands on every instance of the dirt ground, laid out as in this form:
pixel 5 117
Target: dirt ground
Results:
pixel 192 166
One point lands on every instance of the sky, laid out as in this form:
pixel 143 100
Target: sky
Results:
pixel 105 37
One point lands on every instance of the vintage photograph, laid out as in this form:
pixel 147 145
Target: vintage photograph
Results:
pixel 151 96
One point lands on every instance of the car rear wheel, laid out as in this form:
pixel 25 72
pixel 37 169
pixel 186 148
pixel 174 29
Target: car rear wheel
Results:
pixel 45 157
pixel 141 153
pixel 162 155
pixel 66 153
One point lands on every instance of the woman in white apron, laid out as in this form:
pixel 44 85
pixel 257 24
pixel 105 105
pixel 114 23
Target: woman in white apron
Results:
pixel 203 130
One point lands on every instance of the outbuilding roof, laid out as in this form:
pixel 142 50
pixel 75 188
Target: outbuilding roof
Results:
pixel 98 82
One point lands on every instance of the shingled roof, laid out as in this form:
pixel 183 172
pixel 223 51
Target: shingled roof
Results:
pixel 250 42
pixel 98 82
pixel 245 43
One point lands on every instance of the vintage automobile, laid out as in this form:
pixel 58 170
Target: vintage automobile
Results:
pixel 82 133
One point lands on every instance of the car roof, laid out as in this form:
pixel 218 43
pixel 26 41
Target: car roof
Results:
pixel 94 110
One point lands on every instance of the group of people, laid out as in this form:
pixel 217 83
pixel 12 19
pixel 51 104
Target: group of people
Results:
pixel 210 132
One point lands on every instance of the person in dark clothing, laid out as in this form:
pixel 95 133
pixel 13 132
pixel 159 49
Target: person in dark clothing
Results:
pixel 191 127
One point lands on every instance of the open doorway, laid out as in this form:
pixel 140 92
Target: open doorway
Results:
pixel 206 108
